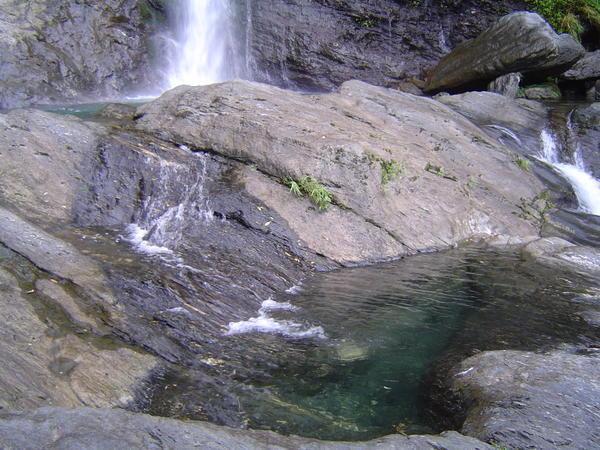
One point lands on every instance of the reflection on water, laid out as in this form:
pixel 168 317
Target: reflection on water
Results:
pixel 386 326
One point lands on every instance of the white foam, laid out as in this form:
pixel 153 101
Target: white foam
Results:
pixel 264 323
pixel 295 289
pixel 136 235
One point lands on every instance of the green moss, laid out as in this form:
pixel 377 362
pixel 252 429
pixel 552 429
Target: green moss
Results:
pixel 315 191
pixel 439 171
pixel 569 16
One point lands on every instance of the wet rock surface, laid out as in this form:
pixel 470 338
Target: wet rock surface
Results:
pixel 519 42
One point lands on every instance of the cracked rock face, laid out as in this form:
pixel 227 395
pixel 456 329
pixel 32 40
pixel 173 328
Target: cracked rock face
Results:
pixel 454 182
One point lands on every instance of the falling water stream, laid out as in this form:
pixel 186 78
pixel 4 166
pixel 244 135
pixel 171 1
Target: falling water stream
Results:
pixel 197 54
pixel 585 186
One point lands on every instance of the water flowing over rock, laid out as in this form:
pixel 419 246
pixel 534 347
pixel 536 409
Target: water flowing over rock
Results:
pixel 443 192
pixel 519 42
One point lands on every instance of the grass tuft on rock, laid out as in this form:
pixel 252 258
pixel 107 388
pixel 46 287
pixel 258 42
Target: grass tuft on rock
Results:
pixel 315 191
pixel 523 163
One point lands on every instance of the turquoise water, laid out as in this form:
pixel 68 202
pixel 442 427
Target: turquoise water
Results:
pixel 386 327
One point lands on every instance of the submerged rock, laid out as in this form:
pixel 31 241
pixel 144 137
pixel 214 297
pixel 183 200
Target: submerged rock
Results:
pixel 117 429
pixel 531 400
pixel 406 173
pixel 519 42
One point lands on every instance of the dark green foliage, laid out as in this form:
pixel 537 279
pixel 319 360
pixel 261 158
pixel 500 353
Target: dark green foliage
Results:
pixel 569 16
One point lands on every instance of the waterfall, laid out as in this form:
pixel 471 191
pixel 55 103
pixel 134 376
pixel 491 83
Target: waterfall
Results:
pixel 585 186
pixel 200 51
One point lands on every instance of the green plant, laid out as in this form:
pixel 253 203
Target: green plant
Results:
pixel 316 192
pixel 523 163
pixel 569 16
pixel 390 170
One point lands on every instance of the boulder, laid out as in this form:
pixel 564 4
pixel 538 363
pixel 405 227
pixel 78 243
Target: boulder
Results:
pixel 117 429
pixel 519 42
pixel 405 172
pixel 507 85
pixel 587 68
pixel 521 399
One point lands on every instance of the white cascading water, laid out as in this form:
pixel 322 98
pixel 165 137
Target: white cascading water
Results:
pixel 585 186
pixel 197 55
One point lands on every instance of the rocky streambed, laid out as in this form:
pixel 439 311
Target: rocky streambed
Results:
pixel 362 265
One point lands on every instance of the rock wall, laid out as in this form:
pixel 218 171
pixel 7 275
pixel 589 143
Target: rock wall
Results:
pixel 318 44
pixel 61 51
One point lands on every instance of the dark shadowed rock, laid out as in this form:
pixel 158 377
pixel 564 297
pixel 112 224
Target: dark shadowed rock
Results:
pixel 530 400
pixel 586 68
pixel 345 140
pixel 519 42
pixel 116 429
pixel 507 85
pixel 319 44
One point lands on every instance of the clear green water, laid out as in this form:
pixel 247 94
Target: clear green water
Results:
pixel 387 327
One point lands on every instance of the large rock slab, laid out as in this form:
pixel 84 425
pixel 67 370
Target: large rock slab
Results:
pixel 562 254
pixel 531 400
pixel 454 182
pixel 519 42
pixel 116 429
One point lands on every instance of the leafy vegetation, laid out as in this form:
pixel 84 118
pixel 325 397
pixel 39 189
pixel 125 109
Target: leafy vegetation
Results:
pixel 315 191
pixel 569 16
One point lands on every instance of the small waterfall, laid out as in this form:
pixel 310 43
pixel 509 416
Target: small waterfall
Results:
pixel 200 52
pixel 160 225
pixel 585 186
